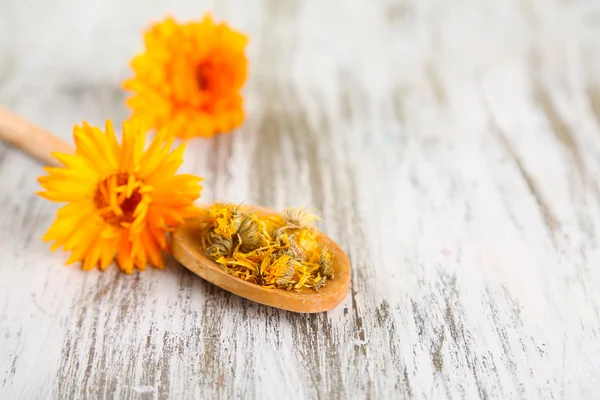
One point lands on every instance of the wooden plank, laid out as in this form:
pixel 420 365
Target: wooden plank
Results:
pixel 453 150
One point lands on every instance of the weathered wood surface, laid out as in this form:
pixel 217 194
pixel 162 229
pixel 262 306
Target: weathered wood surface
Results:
pixel 452 146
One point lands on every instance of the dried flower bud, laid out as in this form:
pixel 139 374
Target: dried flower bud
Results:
pixel 287 276
pixel 213 236
pixel 296 251
pixel 249 235
pixel 219 246
pixel 320 284
pixel 237 221
pixel 299 217
pixel 325 263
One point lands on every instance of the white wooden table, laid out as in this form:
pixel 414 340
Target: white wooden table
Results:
pixel 453 148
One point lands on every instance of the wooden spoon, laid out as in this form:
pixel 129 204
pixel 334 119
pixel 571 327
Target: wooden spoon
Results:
pixel 31 138
pixel 187 239
pixel 187 249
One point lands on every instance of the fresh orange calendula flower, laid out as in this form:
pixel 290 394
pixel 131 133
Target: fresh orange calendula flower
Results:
pixel 189 78
pixel 122 198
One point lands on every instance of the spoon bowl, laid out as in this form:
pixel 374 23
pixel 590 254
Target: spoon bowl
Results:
pixel 188 250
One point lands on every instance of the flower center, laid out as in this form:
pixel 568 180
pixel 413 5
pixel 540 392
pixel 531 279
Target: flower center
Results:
pixel 201 78
pixel 205 76
pixel 117 197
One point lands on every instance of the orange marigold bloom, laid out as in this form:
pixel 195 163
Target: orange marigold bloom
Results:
pixel 122 198
pixel 189 79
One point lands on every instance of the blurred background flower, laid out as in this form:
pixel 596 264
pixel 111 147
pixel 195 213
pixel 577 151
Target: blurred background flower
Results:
pixel 189 78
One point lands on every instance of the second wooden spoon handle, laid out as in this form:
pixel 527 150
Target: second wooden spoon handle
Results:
pixel 31 138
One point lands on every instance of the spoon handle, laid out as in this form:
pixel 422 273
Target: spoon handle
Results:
pixel 30 138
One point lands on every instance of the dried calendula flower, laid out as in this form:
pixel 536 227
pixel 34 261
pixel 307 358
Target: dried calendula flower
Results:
pixel 286 277
pixel 299 217
pixel 248 234
pixel 273 251
pixel 319 284
pixel 279 271
pixel 219 246
pixel 295 250
pixel 326 263
pixel 225 219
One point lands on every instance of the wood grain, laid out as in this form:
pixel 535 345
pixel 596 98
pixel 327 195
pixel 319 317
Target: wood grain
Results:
pixel 453 149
